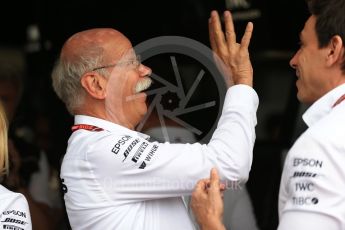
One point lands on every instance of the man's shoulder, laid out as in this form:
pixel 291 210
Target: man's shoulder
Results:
pixel 83 142
pixel 9 198
pixel 14 210
pixel 84 136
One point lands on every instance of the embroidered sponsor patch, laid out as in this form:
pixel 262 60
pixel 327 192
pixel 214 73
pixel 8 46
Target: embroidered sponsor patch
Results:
pixel 117 147
pixel 139 152
pixel 130 148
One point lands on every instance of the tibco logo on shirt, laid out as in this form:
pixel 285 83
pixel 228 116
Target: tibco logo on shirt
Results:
pixel 305 200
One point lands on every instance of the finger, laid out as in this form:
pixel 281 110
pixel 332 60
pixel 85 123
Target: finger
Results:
pixel 247 36
pixel 229 28
pixel 201 185
pixel 214 183
pixel 217 32
pixel 211 36
pixel 199 192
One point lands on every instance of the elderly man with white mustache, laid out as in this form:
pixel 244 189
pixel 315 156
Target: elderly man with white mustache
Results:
pixel 113 177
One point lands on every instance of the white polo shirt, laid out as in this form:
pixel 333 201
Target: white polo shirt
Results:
pixel 312 189
pixel 14 211
pixel 116 179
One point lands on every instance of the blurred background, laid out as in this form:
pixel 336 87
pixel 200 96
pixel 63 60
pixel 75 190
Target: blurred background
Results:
pixel 39 28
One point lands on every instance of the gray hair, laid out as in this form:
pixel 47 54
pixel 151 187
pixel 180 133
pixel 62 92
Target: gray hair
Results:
pixel 67 73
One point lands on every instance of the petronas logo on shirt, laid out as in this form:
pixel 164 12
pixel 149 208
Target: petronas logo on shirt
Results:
pixel 143 165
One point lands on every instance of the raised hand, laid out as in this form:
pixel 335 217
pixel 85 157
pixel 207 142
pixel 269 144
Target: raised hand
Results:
pixel 207 203
pixel 234 57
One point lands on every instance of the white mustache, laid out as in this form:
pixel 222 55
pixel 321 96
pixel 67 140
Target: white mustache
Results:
pixel 143 84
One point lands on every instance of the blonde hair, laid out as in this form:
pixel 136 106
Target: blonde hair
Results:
pixel 3 142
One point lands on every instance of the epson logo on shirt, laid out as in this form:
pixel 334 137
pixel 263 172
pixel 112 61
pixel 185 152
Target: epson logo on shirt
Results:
pixel 307 162
pixel 14 221
pixel 15 212
pixel 119 143
pixel 305 200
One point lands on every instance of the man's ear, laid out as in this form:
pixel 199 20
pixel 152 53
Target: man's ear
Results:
pixel 336 50
pixel 94 84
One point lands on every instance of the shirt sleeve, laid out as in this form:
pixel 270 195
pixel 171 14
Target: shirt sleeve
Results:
pixel 16 215
pixel 131 166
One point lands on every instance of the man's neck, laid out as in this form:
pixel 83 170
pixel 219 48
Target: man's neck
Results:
pixel 106 116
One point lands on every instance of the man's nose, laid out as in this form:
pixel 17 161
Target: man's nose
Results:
pixel 145 71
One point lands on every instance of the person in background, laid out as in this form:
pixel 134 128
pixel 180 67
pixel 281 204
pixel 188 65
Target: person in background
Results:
pixel 29 167
pixel 313 180
pixel 312 185
pixel 113 177
pixel 14 209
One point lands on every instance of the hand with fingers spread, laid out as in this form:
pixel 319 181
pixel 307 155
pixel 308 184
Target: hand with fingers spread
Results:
pixel 234 57
pixel 207 203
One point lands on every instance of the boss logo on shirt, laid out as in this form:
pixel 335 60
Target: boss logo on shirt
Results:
pixel 15 212
pixel 307 162
pixel 14 221
pixel 120 142
pixel 308 186
pixel 305 200
pixel 130 147
pixel 303 174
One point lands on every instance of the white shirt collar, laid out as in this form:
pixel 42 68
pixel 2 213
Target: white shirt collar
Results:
pixel 323 106
pixel 106 125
